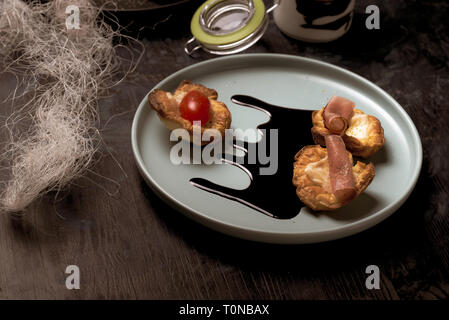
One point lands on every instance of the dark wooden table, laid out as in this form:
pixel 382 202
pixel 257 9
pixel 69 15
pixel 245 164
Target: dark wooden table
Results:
pixel 130 244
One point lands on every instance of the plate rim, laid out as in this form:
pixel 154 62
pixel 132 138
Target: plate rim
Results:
pixel 287 237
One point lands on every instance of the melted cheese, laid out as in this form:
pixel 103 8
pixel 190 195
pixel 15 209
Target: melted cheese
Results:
pixel 318 172
pixel 359 127
pixel 178 97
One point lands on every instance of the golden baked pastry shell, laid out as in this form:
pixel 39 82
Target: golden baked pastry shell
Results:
pixel 319 196
pixel 167 107
pixel 365 147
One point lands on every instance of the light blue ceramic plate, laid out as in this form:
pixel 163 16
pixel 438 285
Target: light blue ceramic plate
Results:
pixel 292 82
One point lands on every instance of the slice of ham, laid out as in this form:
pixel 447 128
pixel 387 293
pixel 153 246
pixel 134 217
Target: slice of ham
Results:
pixel 340 169
pixel 337 114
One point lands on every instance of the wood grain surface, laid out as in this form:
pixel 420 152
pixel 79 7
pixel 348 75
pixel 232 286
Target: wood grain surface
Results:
pixel 129 244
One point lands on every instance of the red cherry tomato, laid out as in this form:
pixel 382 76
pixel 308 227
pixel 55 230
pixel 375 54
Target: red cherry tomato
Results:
pixel 195 107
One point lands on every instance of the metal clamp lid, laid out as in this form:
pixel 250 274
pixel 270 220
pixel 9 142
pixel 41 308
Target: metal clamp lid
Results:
pixel 220 17
pixel 227 26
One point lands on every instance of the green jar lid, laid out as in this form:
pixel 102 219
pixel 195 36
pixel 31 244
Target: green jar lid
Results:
pixel 209 38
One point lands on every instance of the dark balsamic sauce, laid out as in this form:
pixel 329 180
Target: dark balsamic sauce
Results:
pixel 273 195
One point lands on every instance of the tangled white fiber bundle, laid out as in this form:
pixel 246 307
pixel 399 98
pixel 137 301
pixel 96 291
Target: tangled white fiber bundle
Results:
pixel 66 71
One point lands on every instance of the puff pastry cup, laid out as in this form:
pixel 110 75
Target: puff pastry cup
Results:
pixel 363 138
pixel 166 105
pixel 311 178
